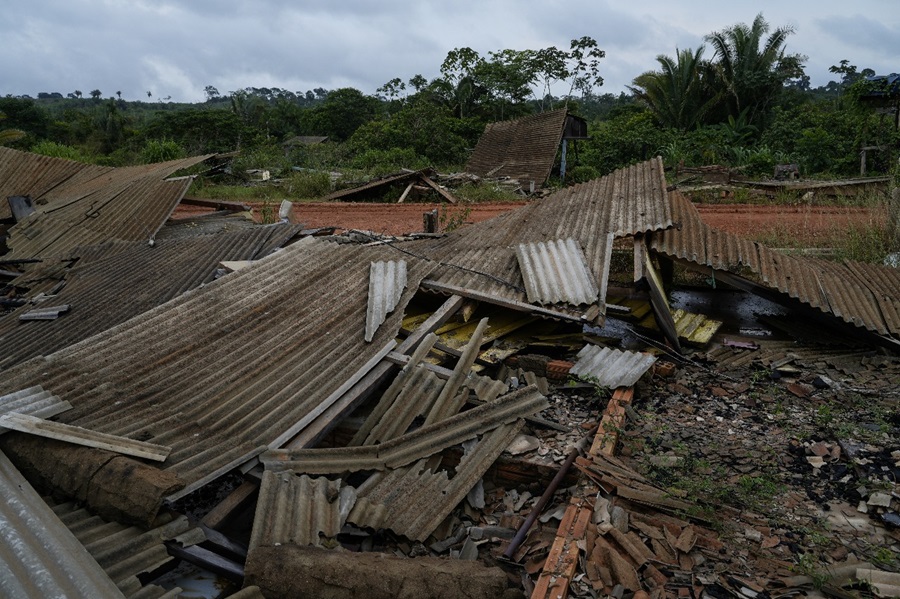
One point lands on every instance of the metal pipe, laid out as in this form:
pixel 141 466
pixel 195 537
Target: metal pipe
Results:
pixel 548 494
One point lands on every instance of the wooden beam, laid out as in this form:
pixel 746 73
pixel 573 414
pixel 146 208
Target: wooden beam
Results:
pixel 405 193
pixel 236 501
pixel 660 304
pixel 499 301
pixel 84 437
pixel 216 204
pixel 443 193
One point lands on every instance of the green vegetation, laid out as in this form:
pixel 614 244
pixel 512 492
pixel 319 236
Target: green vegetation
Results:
pixel 741 100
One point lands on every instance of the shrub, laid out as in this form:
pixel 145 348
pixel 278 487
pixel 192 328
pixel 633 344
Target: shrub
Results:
pixel 160 151
pixel 57 150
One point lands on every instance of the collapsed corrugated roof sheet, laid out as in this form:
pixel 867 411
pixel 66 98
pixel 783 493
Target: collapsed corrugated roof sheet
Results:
pixel 523 149
pixel 125 552
pixel 863 295
pixel 39 556
pixel 556 272
pixel 481 258
pixel 414 500
pixel 34 401
pixel 78 204
pixel 298 509
pixel 387 280
pixel 223 371
pixel 115 281
pixel 611 368
pixel 420 443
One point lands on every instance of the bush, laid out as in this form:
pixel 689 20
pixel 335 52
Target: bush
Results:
pixel 56 150
pixel 160 151
pixel 308 184
pixel 581 174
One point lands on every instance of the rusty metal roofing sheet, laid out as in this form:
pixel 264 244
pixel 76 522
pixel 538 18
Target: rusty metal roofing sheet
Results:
pixel 523 149
pixel 481 257
pixel 125 552
pixel 422 442
pixel 39 556
pixel 413 500
pixel 387 280
pixel 611 368
pixel 556 271
pixel 79 204
pixel 299 510
pixel 866 296
pixel 116 281
pixel 34 401
pixel 225 370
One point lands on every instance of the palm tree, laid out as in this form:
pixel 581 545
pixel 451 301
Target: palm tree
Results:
pixel 753 67
pixel 679 94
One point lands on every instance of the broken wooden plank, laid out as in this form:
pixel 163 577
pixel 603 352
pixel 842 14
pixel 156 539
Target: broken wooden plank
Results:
pixel 85 437
pixel 660 305
pixel 405 193
pixel 443 192
pixel 233 503
pixel 500 301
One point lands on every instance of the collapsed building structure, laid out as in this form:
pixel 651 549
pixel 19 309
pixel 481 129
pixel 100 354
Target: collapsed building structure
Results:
pixel 335 392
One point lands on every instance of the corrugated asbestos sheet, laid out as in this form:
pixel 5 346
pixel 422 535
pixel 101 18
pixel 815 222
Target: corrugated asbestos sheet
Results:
pixel 523 149
pixel 125 552
pixel 299 510
pixel 212 223
pixel 611 367
pixel 414 500
pixel 556 271
pixel 34 401
pixel 78 204
pixel 387 280
pixel 388 180
pixel 223 371
pixel 420 443
pixel 482 258
pixel 39 557
pixel 116 281
pixel 866 296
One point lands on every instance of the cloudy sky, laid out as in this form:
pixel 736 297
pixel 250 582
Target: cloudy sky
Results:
pixel 175 48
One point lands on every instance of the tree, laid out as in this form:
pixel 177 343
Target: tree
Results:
pixel 95 94
pixel 585 72
pixel 9 135
pixel 342 112
pixel 680 94
pixel 119 93
pixel 753 67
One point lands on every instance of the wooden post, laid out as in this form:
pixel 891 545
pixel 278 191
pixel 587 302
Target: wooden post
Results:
pixel 430 221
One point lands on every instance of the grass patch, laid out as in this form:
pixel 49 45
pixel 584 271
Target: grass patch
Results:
pixel 485 193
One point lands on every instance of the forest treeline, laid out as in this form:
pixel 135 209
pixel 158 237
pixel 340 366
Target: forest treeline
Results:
pixel 741 99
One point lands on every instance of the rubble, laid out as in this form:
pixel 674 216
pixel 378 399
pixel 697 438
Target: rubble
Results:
pixel 478 414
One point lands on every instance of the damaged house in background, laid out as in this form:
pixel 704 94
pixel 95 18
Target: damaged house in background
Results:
pixel 302 413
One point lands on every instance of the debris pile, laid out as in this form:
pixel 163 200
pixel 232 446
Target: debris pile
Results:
pixel 285 412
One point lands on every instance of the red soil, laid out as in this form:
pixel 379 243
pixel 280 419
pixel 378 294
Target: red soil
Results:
pixel 788 225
